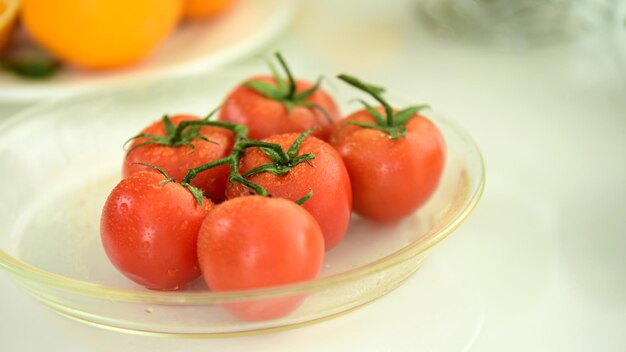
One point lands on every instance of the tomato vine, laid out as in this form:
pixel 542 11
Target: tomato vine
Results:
pixel 281 161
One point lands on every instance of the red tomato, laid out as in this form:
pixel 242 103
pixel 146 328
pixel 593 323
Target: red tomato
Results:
pixel 390 178
pixel 265 116
pixel 326 176
pixel 254 242
pixel 149 230
pixel 176 160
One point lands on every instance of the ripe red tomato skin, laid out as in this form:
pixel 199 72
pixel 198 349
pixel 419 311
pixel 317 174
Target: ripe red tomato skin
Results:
pixel 331 203
pixel 255 242
pixel 390 178
pixel 177 160
pixel 149 231
pixel 265 117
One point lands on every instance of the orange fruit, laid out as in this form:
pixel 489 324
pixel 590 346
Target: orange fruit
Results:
pixel 8 14
pixel 198 9
pixel 100 33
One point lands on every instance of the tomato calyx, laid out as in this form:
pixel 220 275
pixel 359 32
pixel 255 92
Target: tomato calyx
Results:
pixel 284 91
pixel 282 161
pixel 393 123
pixel 176 136
pixel 196 192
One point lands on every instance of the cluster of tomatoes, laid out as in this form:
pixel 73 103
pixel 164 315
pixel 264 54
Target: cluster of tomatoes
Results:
pixel 256 197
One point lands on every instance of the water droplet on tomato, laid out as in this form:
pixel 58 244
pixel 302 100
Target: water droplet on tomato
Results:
pixel 123 204
pixel 172 271
pixel 145 244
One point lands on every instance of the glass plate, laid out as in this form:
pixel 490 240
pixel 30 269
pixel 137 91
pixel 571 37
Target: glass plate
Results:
pixel 60 160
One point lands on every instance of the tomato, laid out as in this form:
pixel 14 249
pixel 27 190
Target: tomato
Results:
pixel 325 175
pixel 177 158
pixel 270 105
pixel 149 230
pixel 390 178
pixel 395 158
pixel 255 242
pixel 265 117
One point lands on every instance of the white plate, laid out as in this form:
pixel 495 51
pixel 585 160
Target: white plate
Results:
pixel 193 47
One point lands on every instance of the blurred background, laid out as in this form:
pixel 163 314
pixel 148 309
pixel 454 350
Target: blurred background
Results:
pixel 540 85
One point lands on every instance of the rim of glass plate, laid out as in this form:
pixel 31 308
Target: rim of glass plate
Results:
pixel 432 237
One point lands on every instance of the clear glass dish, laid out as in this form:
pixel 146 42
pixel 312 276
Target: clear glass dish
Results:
pixel 60 160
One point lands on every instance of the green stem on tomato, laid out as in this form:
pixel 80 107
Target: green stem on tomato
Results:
pixel 195 192
pixel 177 136
pixel 282 155
pixel 192 173
pixel 372 90
pixel 181 135
pixel 394 124
pixel 285 90
pixel 282 161
pixel 168 178
pixel 292 82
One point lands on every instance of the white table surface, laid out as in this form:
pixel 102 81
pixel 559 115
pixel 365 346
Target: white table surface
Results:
pixel 541 263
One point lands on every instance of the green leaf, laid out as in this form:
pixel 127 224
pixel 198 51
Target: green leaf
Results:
pixel 367 87
pixel 307 93
pixel 141 135
pixel 295 146
pixel 197 193
pixel 201 137
pixel 374 91
pixel 394 132
pixel 317 107
pixel 158 140
pixel 267 89
pixel 280 81
pixel 288 105
pixel 366 125
pixel 303 158
pixel 272 168
pixel 31 68
pixel 258 189
pixel 397 132
pixel 272 154
pixel 208 117
pixel 183 134
pixel 404 115
pixel 191 131
pixel 291 88
pixel 273 150
pixel 160 170
pixel 170 129
pixel 380 119
pixel 305 198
